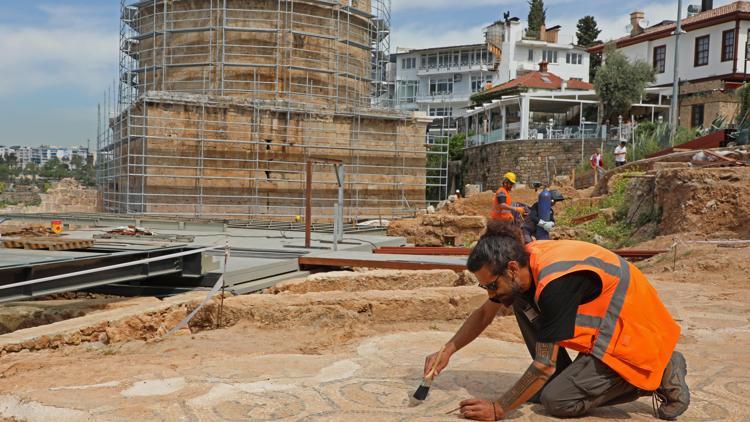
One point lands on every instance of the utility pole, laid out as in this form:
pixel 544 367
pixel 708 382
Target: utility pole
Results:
pixel 673 116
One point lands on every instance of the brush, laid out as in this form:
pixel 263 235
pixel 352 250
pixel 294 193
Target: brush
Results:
pixel 424 388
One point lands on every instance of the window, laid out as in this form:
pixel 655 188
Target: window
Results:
pixel 531 55
pixel 441 112
pixel 465 58
pixel 660 58
pixel 573 58
pixel 701 50
pixel 407 91
pixel 441 86
pixel 549 56
pixel 696 116
pixel 478 82
pixel 727 45
pixel 409 63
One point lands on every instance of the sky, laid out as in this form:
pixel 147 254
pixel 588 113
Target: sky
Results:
pixel 58 57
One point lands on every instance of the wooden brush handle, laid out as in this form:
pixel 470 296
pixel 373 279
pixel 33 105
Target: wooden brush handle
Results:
pixel 431 374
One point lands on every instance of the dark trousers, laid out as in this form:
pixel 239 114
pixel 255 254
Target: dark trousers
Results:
pixel 577 386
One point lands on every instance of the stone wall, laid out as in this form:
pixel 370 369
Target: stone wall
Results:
pixel 531 160
pixel 312 53
pixel 717 101
pixel 66 196
pixel 236 159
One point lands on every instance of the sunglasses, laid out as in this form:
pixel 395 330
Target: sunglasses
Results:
pixel 490 286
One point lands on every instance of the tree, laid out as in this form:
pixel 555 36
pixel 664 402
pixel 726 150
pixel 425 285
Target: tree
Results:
pixel 31 169
pixel 620 83
pixel 537 17
pixel 588 32
pixel 55 169
pixel 12 160
pixel 76 162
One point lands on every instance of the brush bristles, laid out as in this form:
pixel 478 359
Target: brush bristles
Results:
pixel 422 392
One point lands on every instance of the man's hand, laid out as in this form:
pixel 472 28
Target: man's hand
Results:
pixel 481 410
pixel 522 211
pixel 445 356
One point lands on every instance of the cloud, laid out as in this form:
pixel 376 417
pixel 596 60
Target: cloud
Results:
pixel 422 36
pixel 67 49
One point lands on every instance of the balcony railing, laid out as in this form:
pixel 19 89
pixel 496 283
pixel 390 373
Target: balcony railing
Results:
pixel 452 68
pixel 537 131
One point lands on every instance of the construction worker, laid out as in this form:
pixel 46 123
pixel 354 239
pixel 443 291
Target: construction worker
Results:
pixel 502 209
pixel 568 294
pixel 541 219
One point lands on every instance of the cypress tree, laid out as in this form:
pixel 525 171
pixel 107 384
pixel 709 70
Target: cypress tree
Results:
pixel 588 34
pixel 537 17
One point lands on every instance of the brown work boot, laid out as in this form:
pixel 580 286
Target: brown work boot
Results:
pixel 673 389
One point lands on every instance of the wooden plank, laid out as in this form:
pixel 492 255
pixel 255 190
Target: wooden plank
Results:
pixel 312 261
pixel 53 244
pixel 422 250
pixel 584 219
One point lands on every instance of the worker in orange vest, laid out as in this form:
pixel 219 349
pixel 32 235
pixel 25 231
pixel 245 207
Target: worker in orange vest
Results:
pixel 568 294
pixel 502 210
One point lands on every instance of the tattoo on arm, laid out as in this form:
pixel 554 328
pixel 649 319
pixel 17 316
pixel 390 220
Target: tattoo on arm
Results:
pixel 532 380
pixel 545 354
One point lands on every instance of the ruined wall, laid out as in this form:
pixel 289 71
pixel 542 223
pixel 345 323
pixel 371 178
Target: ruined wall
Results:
pixel 716 99
pixel 529 159
pixel 237 160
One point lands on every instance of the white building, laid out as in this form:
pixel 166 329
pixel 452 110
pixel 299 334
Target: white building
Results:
pixel 24 155
pixel 712 58
pixel 440 81
pixel 521 54
pixel 6 151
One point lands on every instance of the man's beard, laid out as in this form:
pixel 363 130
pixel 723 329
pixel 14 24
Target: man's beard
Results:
pixel 515 291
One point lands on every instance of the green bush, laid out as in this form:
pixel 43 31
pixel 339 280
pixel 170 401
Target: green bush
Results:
pixel 615 234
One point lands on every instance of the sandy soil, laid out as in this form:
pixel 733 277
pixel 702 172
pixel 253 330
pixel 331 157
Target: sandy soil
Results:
pixel 335 359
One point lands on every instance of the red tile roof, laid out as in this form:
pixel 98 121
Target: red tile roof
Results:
pixel 540 80
pixel 709 17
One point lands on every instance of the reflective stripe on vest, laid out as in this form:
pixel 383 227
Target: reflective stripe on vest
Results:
pixel 606 325
pixel 607 329
pixel 588 321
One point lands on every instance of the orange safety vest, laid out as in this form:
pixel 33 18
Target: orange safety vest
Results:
pixel 627 326
pixel 499 213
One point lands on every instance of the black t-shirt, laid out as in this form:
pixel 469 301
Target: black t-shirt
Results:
pixel 558 304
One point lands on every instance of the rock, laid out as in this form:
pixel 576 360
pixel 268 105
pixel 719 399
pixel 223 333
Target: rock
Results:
pixel 711 204
pixel 470 222
pixel 430 210
pixel 471 190
pixel 609 214
pixel 599 240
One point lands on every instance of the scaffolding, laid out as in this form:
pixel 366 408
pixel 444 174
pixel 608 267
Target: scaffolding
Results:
pixel 220 103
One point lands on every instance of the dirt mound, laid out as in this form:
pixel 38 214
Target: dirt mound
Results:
pixel 461 221
pixel 689 261
pixel 371 280
pixel 334 308
pixel 707 201
pixel 439 229
pixel 479 204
